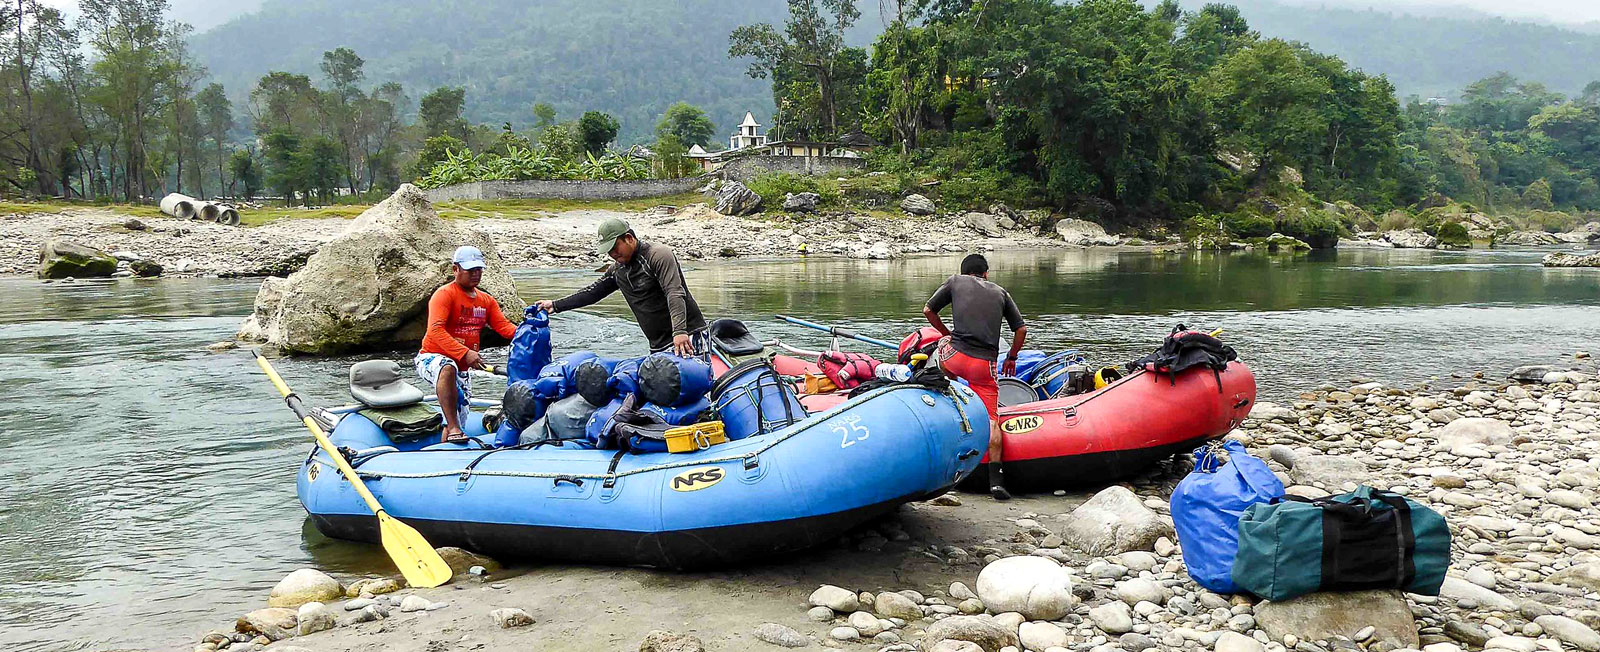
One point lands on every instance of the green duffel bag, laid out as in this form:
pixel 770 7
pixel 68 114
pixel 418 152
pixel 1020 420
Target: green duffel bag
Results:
pixel 1366 539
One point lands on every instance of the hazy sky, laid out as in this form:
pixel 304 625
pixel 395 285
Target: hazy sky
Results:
pixel 204 14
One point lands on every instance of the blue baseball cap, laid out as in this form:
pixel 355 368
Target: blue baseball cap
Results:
pixel 468 257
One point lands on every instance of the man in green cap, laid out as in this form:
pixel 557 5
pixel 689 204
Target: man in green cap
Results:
pixel 651 280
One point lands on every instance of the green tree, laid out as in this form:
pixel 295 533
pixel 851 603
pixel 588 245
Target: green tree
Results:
pixel 434 150
pixel 544 115
pixel 1269 104
pixel 672 160
pixel 563 141
pixel 320 167
pixel 1537 195
pixel 811 45
pixel 441 113
pixel 285 166
pixel 597 130
pixel 688 122
pixel 246 174
pixel 216 120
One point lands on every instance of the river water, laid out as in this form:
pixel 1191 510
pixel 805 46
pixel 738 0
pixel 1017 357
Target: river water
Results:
pixel 149 483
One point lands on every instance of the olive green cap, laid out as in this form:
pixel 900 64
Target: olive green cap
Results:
pixel 609 231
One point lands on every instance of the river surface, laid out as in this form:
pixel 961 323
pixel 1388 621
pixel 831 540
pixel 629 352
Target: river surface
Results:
pixel 150 484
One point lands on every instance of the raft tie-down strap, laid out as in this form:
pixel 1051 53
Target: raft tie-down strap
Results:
pixel 742 458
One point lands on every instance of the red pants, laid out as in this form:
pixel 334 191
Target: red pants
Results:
pixel 978 373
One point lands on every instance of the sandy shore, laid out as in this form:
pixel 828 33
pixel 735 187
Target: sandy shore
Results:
pixel 192 248
pixel 1511 466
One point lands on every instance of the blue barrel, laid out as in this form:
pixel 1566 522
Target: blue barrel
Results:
pixel 1050 375
pixel 752 399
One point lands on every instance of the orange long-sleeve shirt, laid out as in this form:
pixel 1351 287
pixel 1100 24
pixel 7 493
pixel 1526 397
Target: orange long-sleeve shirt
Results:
pixel 456 319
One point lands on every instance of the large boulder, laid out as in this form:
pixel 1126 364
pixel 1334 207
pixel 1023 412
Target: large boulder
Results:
pixel 303 586
pixel 803 202
pixel 1114 521
pixel 1530 373
pixel 1564 259
pixel 1581 576
pixel 1529 238
pixel 1474 431
pixel 1036 587
pixel 1323 616
pixel 369 287
pixel 917 205
pixel 61 258
pixel 1411 239
pixel 461 560
pixel 982 223
pixel 985 631
pixel 1584 234
pixel 733 198
pixel 1327 471
pixel 1085 233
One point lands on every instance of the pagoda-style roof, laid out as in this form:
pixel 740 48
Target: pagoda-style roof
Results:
pixel 749 120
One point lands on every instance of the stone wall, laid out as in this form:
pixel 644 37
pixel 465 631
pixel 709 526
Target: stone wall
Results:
pixel 745 168
pixel 565 189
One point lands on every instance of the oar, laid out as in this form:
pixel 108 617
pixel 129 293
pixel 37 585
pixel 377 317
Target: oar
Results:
pixel 418 562
pixel 836 331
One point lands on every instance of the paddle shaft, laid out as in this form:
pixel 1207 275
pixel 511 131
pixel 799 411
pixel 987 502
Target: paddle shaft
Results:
pixel 299 409
pixel 836 331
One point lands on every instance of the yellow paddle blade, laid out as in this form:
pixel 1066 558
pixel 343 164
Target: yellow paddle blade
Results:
pixel 418 562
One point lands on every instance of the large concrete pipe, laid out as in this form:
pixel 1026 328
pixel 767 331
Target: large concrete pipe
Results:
pixel 226 214
pixel 179 206
pixel 206 211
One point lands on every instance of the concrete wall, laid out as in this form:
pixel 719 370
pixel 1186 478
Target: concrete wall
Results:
pixel 745 168
pixel 565 189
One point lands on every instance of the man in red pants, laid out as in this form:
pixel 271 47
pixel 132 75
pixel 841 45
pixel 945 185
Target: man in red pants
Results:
pixel 969 350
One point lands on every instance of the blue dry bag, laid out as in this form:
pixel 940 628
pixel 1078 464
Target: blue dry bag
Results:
pixel 1027 359
pixel 557 380
pixel 1206 507
pixel 530 346
pixel 666 379
pixel 752 399
pixel 624 378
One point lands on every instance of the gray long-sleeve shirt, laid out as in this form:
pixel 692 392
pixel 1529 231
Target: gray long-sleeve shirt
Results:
pixel 652 282
pixel 977 308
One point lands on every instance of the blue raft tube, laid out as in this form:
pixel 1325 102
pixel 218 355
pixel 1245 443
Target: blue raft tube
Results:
pixel 793 488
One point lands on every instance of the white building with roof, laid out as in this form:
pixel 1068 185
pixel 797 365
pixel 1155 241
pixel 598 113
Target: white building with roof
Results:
pixel 747 135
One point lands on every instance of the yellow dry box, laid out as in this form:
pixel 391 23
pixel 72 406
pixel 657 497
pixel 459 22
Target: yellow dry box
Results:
pixel 695 437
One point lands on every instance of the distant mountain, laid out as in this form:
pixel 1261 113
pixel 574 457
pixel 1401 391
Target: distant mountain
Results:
pixel 631 58
pixel 1432 51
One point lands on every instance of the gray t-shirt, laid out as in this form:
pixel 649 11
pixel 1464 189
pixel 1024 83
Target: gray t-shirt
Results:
pixel 977 307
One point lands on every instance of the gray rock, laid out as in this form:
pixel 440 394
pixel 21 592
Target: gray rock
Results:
pixel 865 624
pixel 1411 239
pixel 951 645
pixel 1530 373
pixel 982 223
pixel 1328 471
pixel 313 617
pixel 134 224
pixel 413 603
pixel 959 591
pixel 1528 238
pixel 1112 618
pixel 1564 259
pixel 835 598
pixel 665 641
pixel 1114 521
pixel 1474 431
pixel 302 586
pixel 1139 590
pixel 733 198
pixel 145 268
pixel 988 634
pixel 1466 632
pixel 1236 642
pixel 1582 576
pixel 1320 616
pixel 509 617
pixel 1134 642
pixel 781 636
pixel 1040 635
pixel 895 605
pixel 917 205
pixel 369 287
pixel 1570 631
pixel 1084 233
pixel 1568 498
pixel 275 623
pixel 63 259
pixel 1036 587
pixel 804 202
pixel 820 614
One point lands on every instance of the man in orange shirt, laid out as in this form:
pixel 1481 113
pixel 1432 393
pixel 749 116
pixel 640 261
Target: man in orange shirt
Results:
pixel 457 315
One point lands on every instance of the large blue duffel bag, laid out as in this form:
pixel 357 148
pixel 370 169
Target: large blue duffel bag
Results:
pixel 558 379
pixel 530 346
pixel 752 399
pixel 666 379
pixel 1207 504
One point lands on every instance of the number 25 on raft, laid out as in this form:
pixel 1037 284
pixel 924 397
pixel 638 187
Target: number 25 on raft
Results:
pixel 851 431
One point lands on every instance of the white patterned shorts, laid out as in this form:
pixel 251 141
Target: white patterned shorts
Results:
pixel 430 365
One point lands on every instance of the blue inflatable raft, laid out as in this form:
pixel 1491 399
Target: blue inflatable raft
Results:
pixel 743 500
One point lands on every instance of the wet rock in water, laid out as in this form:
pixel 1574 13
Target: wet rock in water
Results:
pixel 145 268
pixel 1113 521
pixel 302 586
pixel 1112 618
pixel 1040 635
pixel 835 598
pixel 1084 233
pixel 1570 631
pixel 1236 642
pixel 1564 259
pixel 917 205
pixel 665 641
pixel 414 603
pixel 461 561
pixel 733 198
pixel 982 223
pixel 370 286
pixel 802 202
pixel 1533 373
pixel 275 623
pixel 1036 587
pixel 781 636
pixel 1474 431
pixel 1320 616
pixel 1411 239
pixel 1528 238
pixel 985 631
pixel 894 605
pixel 59 259
pixel 314 617
pixel 509 617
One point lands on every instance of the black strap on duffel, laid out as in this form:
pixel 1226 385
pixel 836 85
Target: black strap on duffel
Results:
pixel 1353 554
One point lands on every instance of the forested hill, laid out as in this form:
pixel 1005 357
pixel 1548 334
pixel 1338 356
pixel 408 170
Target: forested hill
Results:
pixel 1428 52
pixel 630 58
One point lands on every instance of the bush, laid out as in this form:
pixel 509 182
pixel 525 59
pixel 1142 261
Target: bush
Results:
pixel 874 190
pixel 1550 221
pixel 1396 220
pixel 1317 228
pixel 1248 225
pixel 773 187
pixel 1454 234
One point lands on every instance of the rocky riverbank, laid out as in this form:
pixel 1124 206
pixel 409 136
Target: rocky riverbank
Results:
pixel 192 248
pixel 1512 466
